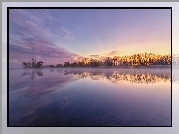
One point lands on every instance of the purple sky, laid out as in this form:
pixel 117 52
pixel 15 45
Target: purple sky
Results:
pixel 58 35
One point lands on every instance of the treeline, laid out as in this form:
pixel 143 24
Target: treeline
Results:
pixel 143 59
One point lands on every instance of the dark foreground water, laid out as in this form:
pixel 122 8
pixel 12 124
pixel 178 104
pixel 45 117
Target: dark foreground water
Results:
pixel 90 97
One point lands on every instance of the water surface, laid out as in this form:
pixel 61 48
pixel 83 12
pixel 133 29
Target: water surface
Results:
pixel 90 97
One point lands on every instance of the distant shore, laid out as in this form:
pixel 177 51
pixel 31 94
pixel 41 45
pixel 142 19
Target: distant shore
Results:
pixel 151 66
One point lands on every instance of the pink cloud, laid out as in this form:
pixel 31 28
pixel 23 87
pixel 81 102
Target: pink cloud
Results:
pixel 29 37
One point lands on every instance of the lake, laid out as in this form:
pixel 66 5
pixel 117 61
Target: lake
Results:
pixel 90 97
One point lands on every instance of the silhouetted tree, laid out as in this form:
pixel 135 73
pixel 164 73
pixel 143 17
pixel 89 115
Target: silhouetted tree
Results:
pixel 32 63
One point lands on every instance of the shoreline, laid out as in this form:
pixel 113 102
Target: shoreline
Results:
pixel 151 66
pixel 104 67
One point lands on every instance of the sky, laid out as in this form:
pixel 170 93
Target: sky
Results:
pixel 58 35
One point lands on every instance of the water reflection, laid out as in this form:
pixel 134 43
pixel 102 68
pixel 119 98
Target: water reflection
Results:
pixel 136 77
pixel 133 77
pixel 32 74
pixel 89 97
pixel 175 78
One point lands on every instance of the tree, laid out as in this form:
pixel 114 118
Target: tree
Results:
pixel 66 64
pixel 32 63
pixel 59 65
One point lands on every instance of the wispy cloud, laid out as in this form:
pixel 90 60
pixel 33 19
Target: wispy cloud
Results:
pixel 48 16
pixel 95 56
pixel 113 53
pixel 104 56
pixel 29 37
pixel 78 58
pixel 66 31
pixel 68 35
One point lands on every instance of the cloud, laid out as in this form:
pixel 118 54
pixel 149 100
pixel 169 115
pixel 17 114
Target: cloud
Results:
pixel 104 56
pixel 113 53
pixel 98 57
pixel 66 31
pixel 30 37
pixel 68 35
pixel 95 56
pixel 78 58
pixel 48 16
pixel 31 25
pixel 40 50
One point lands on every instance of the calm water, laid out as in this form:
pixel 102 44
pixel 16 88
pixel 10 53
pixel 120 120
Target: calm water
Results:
pixel 90 97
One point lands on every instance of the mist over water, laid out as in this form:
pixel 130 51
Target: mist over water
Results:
pixel 90 97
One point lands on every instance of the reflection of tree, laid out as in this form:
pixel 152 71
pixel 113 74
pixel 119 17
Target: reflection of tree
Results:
pixel 133 77
pixel 175 78
pixel 33 74
pixel 114 76
pixel 51 70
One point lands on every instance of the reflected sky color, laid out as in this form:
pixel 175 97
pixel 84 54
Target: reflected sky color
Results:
pixel 175 88
pixel 90 97
pixel 59 35
pixel 175 76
